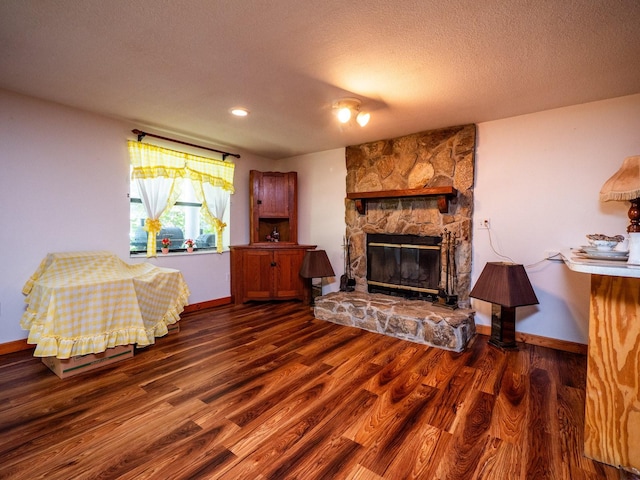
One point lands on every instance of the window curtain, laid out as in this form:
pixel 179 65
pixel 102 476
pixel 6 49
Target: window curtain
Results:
pixel 155 173
pixel 213 183
pixel 156 170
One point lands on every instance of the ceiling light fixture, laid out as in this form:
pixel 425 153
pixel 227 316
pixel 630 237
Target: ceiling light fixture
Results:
pixel 239 111
pixel 363 118
pixel 347 108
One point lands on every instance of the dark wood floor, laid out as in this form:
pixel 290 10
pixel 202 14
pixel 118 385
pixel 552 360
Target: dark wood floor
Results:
pixel 266 391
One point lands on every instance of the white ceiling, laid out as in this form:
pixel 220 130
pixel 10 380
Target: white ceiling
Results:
pixel 175 67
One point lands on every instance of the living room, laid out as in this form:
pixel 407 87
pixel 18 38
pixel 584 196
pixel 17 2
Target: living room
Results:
pixel 538 172
pixel 537 179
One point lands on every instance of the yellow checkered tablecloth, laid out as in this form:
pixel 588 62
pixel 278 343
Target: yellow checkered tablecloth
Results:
pixel 85 302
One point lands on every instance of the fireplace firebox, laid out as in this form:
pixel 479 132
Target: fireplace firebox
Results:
pixel 404 265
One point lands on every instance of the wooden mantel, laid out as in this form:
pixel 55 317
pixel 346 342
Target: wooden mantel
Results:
pixel 443 194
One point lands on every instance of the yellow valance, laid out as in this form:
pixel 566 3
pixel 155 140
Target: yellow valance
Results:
pixel 151 161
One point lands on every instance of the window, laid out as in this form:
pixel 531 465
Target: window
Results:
pixel 183 221
pixel 177 196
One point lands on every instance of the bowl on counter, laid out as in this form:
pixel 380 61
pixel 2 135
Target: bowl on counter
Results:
pixel 604 243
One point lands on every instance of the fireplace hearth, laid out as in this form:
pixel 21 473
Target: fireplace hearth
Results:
pixel 412 320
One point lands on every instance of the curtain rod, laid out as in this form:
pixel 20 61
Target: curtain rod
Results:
pixel 142 134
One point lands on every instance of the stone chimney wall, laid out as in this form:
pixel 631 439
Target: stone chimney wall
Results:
pixel 443 157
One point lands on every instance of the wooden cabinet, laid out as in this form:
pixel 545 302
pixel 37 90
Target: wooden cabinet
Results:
pixel 273 206
pixel 265 270
pixel 268 272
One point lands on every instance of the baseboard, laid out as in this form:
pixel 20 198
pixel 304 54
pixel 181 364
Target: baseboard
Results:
pixel 541 341
pixel 218 302
pixel 15 346
pixel 19 345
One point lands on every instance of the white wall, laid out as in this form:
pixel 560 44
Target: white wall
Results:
pixel 63 187
pixel 321 209
pixel 537 179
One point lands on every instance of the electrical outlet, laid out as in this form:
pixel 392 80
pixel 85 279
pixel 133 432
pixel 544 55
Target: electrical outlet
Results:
pixel 485 223
pixel 228 277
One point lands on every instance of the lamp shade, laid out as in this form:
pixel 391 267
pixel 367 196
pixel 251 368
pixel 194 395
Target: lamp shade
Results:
pixel 625 183
pixel 505 284
pixel 316 265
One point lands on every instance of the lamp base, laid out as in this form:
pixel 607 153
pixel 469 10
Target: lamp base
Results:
pixel 316 291
pixel 503 327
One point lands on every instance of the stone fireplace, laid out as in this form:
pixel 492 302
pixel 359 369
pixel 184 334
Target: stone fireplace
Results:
pixel 436 158
pixel 421 186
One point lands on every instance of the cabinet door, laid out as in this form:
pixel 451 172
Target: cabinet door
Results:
pixel 289 283
pixel 273 196
pixel 258 274
pixel 273 201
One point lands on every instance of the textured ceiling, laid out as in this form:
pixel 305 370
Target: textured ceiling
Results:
pixel 177 66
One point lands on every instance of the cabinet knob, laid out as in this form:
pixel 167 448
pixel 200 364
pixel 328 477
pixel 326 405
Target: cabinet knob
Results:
pixel 259 202
pixel 273 264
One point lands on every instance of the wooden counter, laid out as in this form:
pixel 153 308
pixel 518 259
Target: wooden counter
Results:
pixel 612 403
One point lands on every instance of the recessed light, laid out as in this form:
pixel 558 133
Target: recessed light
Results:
pixel 239 111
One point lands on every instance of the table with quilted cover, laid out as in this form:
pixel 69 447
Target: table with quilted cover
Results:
pixel 86 302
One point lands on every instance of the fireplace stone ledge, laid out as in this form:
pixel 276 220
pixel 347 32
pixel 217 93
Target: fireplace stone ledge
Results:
pixel 413 320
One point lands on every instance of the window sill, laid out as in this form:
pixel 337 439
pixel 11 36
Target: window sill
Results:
pixel 177 253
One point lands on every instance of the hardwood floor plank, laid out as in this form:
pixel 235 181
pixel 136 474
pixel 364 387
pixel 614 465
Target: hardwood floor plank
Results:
pixel 399 364
pixel 451 397
pixel 509 421
pixel 319 405
pixel 444 366
pixel 361 473
pixel 204 452
pixel 324 451
pixel 470 440
pixel 417 457
pixel 286 387
pixel 403 419
pixel 265 391
pixel 490 364
pixel 374 351
pixel 541 461
pixel 332 459
pixel 500 460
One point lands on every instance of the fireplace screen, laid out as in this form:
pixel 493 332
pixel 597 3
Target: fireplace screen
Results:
pixel 404 265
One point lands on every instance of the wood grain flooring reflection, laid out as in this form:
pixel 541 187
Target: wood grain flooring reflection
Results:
pixel 267 392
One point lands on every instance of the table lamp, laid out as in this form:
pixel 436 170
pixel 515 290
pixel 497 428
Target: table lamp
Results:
pixel 625 185
pixel 506 286
pixel 316 265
